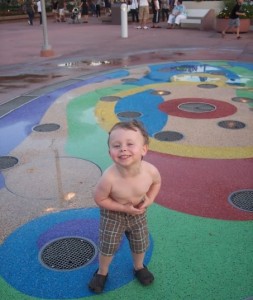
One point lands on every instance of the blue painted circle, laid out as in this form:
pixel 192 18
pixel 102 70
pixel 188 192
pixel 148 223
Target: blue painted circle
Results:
pixel 23 270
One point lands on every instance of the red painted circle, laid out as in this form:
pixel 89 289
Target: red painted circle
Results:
pixel 223 109
pixel 201 187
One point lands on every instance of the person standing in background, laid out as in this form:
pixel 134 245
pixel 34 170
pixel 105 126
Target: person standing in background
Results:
pixel 55 10
pixel 61 7
pixel 134 11
pixel 165 10
pixel 85 10
pixel 143 14
pixel 156 13
pixel 39 11
pixel 108 10
pixel 98 8
pixel 29 5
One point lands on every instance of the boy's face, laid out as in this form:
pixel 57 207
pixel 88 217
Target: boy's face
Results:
pixel 126 146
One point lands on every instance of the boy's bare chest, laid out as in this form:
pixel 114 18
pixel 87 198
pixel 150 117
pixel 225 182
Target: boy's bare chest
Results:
pixel 130 189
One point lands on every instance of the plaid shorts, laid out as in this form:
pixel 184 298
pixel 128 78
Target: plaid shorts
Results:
pixel 114 224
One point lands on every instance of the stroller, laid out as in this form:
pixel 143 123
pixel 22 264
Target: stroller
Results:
pixel 75 15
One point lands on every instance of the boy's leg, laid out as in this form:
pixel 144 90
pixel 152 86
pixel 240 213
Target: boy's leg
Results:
pixel 138 259
pixel 138 238
pixel 104 263
pixel 98 280
pixel 141 272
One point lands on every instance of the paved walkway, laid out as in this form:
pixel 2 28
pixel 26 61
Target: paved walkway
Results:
pixel 80 47
pixel 193 92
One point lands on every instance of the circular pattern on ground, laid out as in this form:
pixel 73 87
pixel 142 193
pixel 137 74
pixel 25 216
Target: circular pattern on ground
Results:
pixel 242 200
pixel 54 179
pixel 7 162
pixel 34 236
pixel 174 108
pixel 46 127
pixel 190 184
pixel 68 253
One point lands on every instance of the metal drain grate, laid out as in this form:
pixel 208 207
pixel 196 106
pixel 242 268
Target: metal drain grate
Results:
pixel 197 107
pixel 110 98
pixel 207 86
pixel 68 253
pixel 7 162
pixel 242 99
pixel 129 114
pixel 231 124
pixel 129 80
pixel 46 127
pixel 168 136
pixel 180 68
pixel 160 93
pixel 242 199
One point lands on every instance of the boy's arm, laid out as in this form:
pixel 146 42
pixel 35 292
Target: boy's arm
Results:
pixel 102 196
pixel 154 188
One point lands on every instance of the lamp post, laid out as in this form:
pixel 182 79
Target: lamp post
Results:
pixel 46 50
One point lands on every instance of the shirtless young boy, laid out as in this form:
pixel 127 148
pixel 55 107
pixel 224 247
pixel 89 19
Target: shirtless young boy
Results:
pixel 126 189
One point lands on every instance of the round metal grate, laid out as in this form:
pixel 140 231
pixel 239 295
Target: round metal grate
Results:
pixel 242 199
pixel 129 114
pixel 207 86
pixel 231 124
pixel 197 107
pixel 181 68
pixel 7 162
pixel 110 98
pixel 68 253
pixel 242 99
pixel 129 80
pixel 168 136
pixel 46 127
pixel 161 93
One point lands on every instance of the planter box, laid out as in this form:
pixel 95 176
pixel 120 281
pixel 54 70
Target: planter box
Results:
pixel 221 24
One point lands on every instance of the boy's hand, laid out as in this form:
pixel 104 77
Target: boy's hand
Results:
pixel 140 204
pixel 133 210
pixel 144 203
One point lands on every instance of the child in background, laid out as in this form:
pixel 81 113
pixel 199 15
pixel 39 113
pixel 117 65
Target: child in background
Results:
pixel 234 19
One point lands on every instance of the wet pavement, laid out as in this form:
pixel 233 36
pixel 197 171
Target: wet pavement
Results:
pixel 194 93
pixel 83 49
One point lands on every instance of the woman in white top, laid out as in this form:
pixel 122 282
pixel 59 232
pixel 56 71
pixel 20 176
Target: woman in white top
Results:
pixel 39 10
pixel 178 13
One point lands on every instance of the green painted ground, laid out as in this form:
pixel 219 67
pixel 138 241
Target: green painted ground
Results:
pixel 194 258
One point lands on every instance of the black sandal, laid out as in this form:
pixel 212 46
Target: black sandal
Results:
pixel 144 276
pixel 97 283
